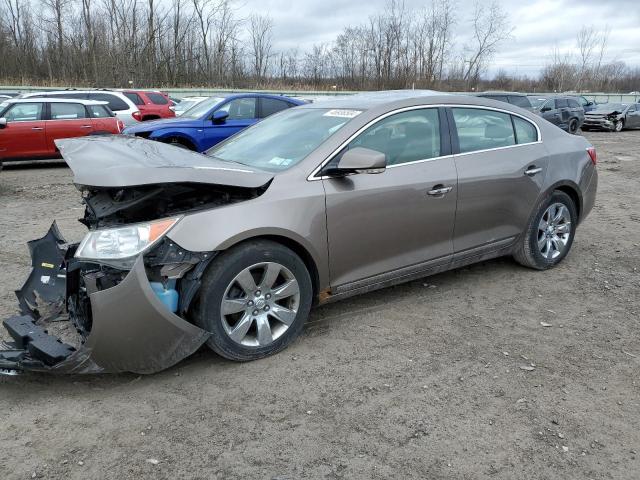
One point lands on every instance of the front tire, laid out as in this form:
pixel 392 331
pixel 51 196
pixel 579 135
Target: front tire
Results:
pixel 549 234
pixel 254 300
pixel 618 126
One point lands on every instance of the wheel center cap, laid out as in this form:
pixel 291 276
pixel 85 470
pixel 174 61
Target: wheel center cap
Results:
pixel 260 303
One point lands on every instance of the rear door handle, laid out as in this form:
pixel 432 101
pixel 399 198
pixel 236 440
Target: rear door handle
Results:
pixel 531 171
pixel 439 190
pixel 85 126
pixel 37 128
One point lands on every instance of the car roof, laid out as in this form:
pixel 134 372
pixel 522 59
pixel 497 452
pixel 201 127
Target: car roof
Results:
pixel 59 92
pixel 55 100
pixel 499 92
pixel 368 100
pixel 261 95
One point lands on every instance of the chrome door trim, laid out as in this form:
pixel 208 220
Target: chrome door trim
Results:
pixel 312 176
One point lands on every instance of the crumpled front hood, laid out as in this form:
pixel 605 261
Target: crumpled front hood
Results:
pixel 604 111
pixel 151 125
pixel 122 161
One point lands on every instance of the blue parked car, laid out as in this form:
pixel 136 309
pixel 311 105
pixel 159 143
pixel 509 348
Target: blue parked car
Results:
pixel 213 120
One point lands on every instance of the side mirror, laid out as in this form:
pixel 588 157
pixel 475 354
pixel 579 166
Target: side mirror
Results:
pixel 219 116
pixel 361 160
pixel 3 122
pixel 589 104
pixel 545 109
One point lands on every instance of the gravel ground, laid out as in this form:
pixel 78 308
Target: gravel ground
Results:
pixel 424 380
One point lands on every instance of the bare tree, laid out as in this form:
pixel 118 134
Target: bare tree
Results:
pixel 490 27
pixel 261 33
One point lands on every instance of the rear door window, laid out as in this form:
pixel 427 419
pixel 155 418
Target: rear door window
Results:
pixel 157 98
pixel 480 129
pixel 272 105
pixel 100 111
pixel 24 112
pixel 240 109
pixel 116 104
pixel 67 111
pixel 500 98
pixel 404 137
pixel 520 101
pixel 525 131
pixel 134 97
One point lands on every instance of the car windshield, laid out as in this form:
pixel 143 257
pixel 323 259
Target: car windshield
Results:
pixel 202 108
pixel 610 107
pixel 536 102
pixel 282 140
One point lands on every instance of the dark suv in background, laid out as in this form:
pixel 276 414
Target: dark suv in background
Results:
pixel 563 111
pixel 517 99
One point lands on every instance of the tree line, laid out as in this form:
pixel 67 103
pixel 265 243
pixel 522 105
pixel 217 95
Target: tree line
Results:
pixel 156 43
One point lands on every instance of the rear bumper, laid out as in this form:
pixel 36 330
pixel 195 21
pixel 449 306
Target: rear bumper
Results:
pixel 131 330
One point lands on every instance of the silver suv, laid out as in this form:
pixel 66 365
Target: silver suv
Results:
pixel 120 105
pixel 564 112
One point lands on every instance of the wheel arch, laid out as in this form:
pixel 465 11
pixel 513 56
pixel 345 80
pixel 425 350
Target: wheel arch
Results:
pixel 570 189
pixel 292 244
pixel 182 138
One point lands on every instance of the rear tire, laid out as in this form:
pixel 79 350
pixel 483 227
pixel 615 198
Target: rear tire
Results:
pixel 573 126
pixel 549 234
pixel 254 300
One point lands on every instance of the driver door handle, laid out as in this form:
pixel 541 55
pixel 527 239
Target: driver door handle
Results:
pixel 37 128
pixel 532 170
pixel 439 190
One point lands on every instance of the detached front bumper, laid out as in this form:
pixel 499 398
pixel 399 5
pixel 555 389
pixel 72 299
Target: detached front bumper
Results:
pixel 598 124
pixel 126 329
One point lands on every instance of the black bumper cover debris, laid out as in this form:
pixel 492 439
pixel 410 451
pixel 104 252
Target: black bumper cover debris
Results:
pixel 131 329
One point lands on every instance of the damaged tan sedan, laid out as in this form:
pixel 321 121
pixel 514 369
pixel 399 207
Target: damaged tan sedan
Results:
pixel 317 203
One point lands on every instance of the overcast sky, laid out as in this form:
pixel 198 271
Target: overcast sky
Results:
pixel 539 25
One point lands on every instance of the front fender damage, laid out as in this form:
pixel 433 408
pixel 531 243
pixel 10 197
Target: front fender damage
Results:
pixel 131 330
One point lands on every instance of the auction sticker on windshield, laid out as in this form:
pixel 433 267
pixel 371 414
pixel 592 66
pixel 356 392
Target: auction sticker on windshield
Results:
pixel 343 113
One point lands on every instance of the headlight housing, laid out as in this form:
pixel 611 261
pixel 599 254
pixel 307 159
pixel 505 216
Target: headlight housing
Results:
pixel 121 246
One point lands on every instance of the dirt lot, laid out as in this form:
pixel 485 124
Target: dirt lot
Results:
pixel 423 380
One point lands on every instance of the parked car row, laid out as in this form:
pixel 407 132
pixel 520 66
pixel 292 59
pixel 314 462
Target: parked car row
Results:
pixel 574 112
pixel 29 125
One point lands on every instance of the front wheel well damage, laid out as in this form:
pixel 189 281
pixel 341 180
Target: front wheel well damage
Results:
pixel 176 139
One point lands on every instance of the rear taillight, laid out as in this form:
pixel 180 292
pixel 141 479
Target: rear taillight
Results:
pixel 120 126
pixel 137 116
pixel 592 155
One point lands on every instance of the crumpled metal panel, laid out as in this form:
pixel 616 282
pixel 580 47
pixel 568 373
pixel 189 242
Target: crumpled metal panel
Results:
pixel 43 294
pixel 132 330
pixel 120 161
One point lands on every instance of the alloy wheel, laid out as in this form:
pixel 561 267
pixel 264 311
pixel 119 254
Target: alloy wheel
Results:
pixel 260 304
pixel 554 231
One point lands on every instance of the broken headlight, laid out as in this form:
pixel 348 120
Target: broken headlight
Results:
pixel 120 246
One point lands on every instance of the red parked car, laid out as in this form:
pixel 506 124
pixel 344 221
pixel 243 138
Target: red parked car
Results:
pixel 29 126
pixel 153 105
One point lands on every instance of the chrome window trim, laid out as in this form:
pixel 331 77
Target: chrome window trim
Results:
pixel 312 176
